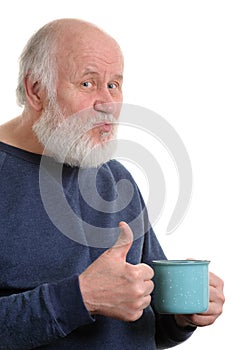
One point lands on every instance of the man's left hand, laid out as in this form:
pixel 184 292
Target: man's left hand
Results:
pixel 216 301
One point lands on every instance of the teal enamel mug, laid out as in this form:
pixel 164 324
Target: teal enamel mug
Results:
pixel 181 286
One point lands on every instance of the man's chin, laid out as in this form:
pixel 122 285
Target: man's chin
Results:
pixel 84 152
pixel 96 157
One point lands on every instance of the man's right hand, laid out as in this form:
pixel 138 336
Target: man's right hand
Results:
pixel 112 287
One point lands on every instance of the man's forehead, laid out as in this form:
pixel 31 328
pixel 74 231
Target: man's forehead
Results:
pixel 91 42
pixel 94 71
pixel 93 56
pixel 91 53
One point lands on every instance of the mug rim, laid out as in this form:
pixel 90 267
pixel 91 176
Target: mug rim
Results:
pixel 180 262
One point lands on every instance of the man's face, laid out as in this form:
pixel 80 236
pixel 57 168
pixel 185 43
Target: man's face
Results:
pixel 89 97
pixel 90 78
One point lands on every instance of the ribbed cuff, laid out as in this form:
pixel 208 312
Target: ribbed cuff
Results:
pixel 67 303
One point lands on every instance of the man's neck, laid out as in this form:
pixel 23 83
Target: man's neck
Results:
pixel 18 133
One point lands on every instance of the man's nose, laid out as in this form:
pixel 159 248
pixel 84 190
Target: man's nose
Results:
pixel 104 107
pixel 104 102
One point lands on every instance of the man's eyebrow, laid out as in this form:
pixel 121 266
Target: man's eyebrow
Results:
pixel 89 71
pixel 94 72
pixel 118 76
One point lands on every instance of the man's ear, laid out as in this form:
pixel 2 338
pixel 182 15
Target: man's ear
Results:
pixel 35 95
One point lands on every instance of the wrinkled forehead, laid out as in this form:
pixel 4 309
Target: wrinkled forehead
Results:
pixel 89 42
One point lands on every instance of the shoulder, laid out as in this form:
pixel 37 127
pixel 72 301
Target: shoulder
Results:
pixel 117 169
pixel 7 131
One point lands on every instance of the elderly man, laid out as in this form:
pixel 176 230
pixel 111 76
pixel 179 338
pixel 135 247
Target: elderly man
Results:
pixel 94 291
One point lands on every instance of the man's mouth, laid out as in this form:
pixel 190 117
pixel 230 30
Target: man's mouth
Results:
pixel 103 126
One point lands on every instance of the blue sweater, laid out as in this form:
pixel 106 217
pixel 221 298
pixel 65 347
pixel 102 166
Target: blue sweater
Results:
pixel 41 305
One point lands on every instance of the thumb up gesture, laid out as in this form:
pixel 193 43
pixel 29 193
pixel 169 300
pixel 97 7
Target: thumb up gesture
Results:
pixel 112 287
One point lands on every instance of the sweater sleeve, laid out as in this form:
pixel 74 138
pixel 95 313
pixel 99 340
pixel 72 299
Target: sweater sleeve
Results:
pixel 42 315
pixel 168 333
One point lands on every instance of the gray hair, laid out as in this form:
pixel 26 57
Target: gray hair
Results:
pixel 38 61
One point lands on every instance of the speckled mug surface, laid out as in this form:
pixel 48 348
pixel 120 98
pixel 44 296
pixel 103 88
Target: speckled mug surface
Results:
pixel 181 286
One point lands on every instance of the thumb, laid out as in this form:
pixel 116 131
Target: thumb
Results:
pixel 124 241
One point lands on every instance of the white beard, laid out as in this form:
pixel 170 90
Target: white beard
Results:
pixel 67 140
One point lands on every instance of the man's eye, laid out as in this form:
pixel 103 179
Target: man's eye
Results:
pixel 112 86
pixel 87 84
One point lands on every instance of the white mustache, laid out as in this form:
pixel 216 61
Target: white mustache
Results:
pixel 84 122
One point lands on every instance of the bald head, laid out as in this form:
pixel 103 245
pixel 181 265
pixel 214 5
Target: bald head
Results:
pixel 68 30
pixel 56 42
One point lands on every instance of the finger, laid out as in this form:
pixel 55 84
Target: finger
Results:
pixel 149 287
pixel 123 243
pixel 146 271
pixel 215 281
pixel 146 301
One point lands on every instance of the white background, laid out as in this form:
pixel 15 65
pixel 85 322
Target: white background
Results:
pixel 178 63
